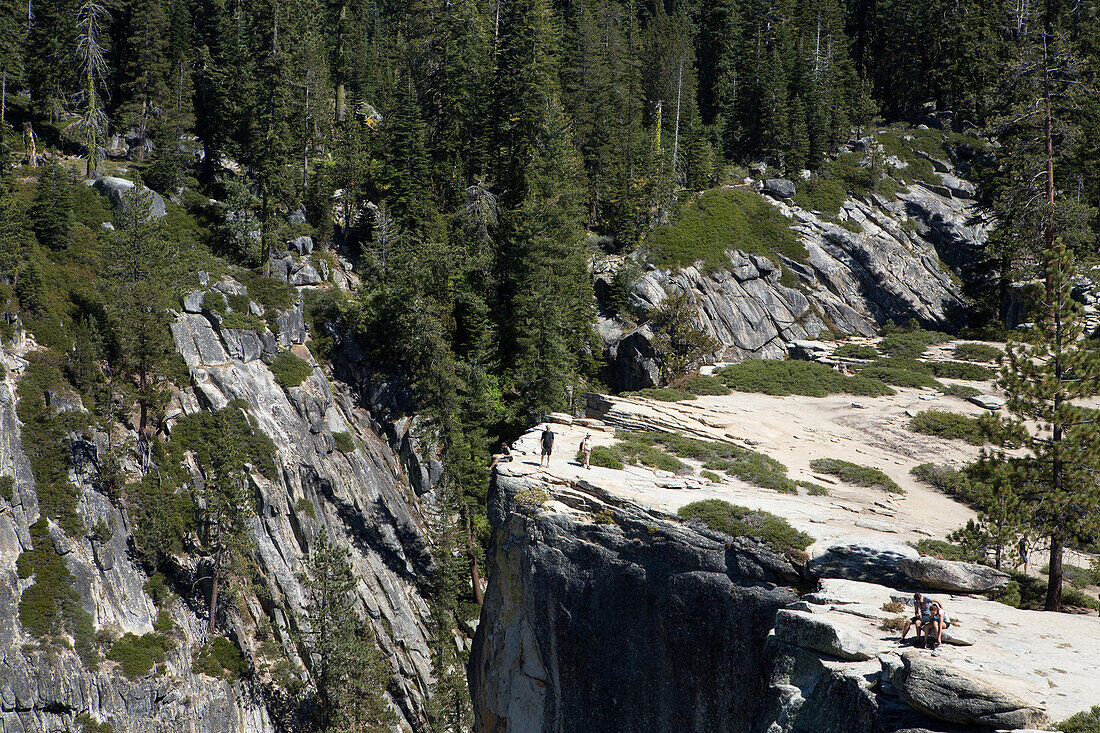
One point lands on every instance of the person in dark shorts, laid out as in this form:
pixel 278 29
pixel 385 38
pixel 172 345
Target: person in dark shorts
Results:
pixel 547 446
pixel 922 615
pixel 1023 547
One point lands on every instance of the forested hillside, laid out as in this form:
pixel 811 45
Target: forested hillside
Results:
pixel 456 167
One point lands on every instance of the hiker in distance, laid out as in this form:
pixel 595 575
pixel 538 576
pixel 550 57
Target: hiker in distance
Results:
pixel 586 449
pixel 547 446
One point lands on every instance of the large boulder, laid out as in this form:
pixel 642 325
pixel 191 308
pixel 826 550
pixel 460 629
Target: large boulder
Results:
pixel 305 275
pixel 955 577
pixel 302 245
pixel 116 188
pixel 821 634
pixel 952 695
pixel 779 187
pixel 868 560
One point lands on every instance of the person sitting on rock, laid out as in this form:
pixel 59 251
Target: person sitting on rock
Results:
pixel 503 456
pixel 938 621
pixel 922 605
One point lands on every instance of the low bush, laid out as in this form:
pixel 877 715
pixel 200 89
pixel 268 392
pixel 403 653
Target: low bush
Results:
pixel 7 488
pixel 748 465
pixel 220 658
pixel 708 226
pixel 344 442
pixel 664 394
pixel 950 481
pixel 813 489
pixel 911 343
pixel 893 607
pixel 945 550
pixel 1086 721
pixel 962 370
pixel 853 473
pixel 702 384
pixel 961 390
pixel 290 370
pixel 89 725
pixel 977 352
pixel 953 426
pixel 739 521
pixel 857 351
pixel 711 476
pixel 137 655
pixel 798 377
pixel 305 506
pixel 604 457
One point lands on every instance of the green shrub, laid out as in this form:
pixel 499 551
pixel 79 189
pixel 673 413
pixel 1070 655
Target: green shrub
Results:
pixel 718 220
pixel 748 465
pixel 7 488
pixel 911 344
pixel 857 351
pixel 853 473
pixel 658 459
pixel 961 390
pixel 664 394
pixel 1076 597
pixel 813 489
pixel 344 442
pixel 962 370
pixel 605 457
pixel 821 194
pixel 702 384
pixel 137 655
pixel 305 506
pixel 949 425
pixel 604 516
pixel 798 377
pixel 711 476
pixel 157 588
pixel 220 658
pixel 977 352
pixel 900 372
pixel 87 725
pixel 290 370
pixel 948 480
pixel 945 550
pixel 739 521
pixel 1086 721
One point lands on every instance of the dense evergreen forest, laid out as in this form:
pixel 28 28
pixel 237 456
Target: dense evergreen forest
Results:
pixel 471 157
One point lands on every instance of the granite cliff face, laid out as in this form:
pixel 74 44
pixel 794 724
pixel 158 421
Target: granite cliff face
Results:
pixel 362 500
pixel 606 613
pixel 888 259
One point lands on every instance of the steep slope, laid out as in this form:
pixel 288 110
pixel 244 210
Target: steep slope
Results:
pixel 879 258
pixel 360 499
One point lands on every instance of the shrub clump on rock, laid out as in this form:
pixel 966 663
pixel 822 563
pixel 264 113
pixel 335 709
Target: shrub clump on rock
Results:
pixel 290 370
pixel 798 377
pixel 853 473
pixel 943 424
pixel 739 521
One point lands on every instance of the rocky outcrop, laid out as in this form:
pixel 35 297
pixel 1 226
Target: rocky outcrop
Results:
pixel 115 190
pixel 604 615
pixel 361 500
pixel 886 259
pixel 635 623
pixel 957 577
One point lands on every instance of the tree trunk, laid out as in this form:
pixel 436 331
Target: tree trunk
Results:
pixel 215 581
pixel 1054 577
pixel 4 102
pixel 676 129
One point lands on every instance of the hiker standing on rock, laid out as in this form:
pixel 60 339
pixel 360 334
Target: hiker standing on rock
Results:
pixel 547 446
pixel 1023 547
pixel 586 449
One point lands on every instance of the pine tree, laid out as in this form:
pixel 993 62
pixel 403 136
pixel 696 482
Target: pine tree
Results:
pixel 348 672
pixel 51 212
pixel 146 69
pixel 13 35
pixel 51 60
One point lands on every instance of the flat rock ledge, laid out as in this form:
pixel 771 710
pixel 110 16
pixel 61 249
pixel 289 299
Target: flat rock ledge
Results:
pixel 956 577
